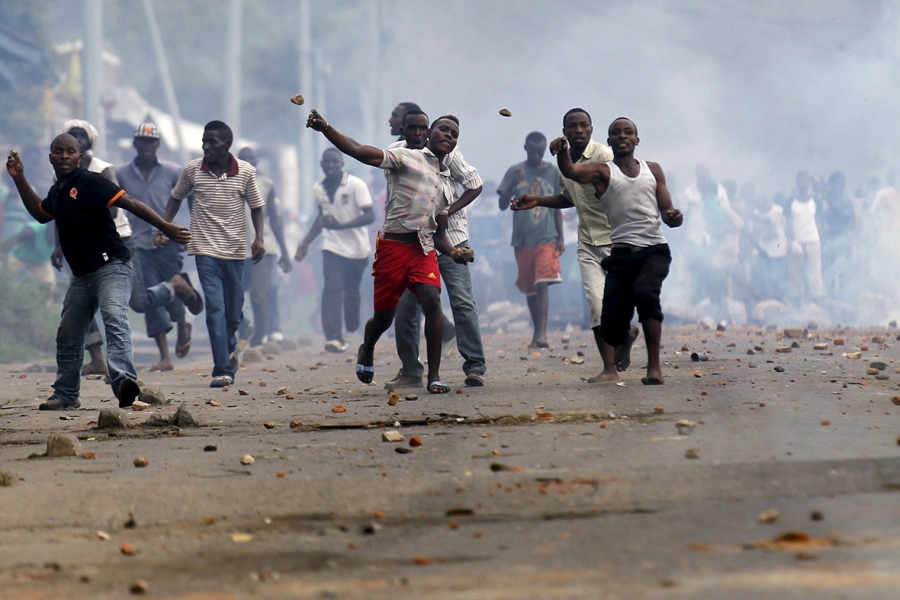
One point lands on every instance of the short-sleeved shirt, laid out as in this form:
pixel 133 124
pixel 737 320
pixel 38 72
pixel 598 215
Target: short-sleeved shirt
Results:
pixel 87 233
pixel 420 189
pixel 462 174
pixel 154 192
pixel 123 225
pixel 347 204
pixel 593 226
pixel 218 222
pixel 537 226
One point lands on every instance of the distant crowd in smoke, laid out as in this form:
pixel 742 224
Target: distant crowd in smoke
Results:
pixel 812 253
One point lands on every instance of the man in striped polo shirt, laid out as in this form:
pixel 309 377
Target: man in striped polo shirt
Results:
pixel 455 275
pixel 415 218
pixel 222 185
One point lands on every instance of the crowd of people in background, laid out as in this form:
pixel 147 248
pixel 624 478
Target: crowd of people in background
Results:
pixel 814 251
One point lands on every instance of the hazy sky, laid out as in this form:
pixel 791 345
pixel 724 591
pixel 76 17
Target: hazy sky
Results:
pixel 755 90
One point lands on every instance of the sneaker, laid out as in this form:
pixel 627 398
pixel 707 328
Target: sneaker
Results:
pixel 220 381
pixel 186 292
pixel 403 381
pixel 128 392
pixel 56 403
pixel 475 378
pixel 336 346
pixel 276 336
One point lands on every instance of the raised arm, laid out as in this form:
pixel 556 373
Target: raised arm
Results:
pixel 368 155
pixel 579 172
pixel 30 199
pixel 671 216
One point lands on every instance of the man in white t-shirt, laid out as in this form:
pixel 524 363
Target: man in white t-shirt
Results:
pixel 345 209
pixel 805 260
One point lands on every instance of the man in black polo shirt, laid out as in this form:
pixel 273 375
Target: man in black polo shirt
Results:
pixel 79 202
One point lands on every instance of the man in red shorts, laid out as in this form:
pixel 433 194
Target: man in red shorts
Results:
pixel 415 217
pixel 537 235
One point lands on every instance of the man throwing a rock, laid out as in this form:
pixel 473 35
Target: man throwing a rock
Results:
pixel 79 203
pixel 415 217
pixel 634 195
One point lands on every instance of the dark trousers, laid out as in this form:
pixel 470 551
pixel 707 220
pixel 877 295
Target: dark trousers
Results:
pixel 633 280
pixel 341 292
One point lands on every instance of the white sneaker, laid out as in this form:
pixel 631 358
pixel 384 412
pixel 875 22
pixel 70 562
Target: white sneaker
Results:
pixel 276 336
pixel 336 346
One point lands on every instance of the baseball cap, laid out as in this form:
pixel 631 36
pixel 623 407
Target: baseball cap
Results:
pixel 147 130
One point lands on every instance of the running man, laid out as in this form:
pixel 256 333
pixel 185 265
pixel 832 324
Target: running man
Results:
pixel 634 195
pixel 415 217
pixel 80 202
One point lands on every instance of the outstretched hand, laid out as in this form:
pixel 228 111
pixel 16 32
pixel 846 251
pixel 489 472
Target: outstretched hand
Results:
pixel 316 121
pixel 176 233
pixel 560 144
pixel 523 202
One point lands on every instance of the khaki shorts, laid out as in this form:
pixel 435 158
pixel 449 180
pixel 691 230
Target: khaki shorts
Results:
pixel 593 277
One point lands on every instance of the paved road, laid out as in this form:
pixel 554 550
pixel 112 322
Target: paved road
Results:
pixel 536 486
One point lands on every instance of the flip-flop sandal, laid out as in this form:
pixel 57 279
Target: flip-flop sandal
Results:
pixel 437 387
pixel 182 348
pixel 365 373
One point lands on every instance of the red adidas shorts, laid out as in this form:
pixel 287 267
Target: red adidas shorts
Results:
pixel 399 265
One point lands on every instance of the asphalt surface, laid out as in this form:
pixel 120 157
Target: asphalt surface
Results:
pixel 538 485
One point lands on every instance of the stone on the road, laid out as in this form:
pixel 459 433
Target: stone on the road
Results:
pixel 7 479
pixel 112 418
pixel 65 444
pixel 139 586
pixel 153 396
pixel 392 436
pixel 246 459
pixel 692 453
pixel 140 462
pixel 685 426
pixel 769 516
pixel 138 406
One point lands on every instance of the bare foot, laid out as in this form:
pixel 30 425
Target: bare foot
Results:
pixel 604 377
pixel 93 368
pixel 623 352
pixel 538 344
pixel 653 378
pixel 163 365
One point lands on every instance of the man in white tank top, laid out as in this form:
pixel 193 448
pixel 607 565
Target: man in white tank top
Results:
pixel 634 195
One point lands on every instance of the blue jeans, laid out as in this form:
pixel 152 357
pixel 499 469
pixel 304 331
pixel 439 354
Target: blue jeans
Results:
pixel 224 298
pixel 108 288
pixel 153 267
pixel 457 281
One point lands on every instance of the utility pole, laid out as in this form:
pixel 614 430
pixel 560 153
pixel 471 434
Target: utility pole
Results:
pixel 93 69
pixel 168 87
pixel 306 81
pixel 233 55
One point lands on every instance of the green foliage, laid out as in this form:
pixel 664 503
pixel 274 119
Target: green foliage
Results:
pixel 29 315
